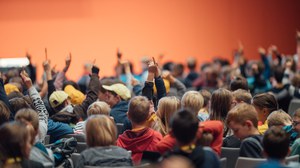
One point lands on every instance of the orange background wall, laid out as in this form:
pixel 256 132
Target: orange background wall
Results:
pixel 93 29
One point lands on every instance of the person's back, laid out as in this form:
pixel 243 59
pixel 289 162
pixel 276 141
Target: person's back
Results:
pixel 101 136
pixel 140 138
pixel 201 157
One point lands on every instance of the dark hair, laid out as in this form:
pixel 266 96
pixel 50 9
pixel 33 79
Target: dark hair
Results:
pixel 239 82
pixel 178 70
pixel 265 100
pixel 13 142
pixel 276 143
pixel 70 82
pixel 4 113
pixel 278 73
pixel 184 126
pixel 138 109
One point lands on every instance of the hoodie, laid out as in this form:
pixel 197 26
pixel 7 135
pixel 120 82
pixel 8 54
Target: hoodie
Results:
pixel 138 142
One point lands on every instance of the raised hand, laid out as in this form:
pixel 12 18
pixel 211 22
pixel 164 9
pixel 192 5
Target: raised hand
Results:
pixel 68 62
pixel 25 77
pixel 261 51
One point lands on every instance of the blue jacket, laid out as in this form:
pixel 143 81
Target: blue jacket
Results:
pixel 119 111
pixel 58 129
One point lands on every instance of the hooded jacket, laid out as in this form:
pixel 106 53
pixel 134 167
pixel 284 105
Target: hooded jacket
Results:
pixel 138 142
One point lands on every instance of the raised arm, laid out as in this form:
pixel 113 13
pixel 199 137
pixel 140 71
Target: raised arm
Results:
pixel 92 95
pixel 38 104
pixel 58 83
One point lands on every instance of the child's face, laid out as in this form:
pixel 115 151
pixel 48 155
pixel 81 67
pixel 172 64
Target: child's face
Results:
pixel 241 131
pixel 296 124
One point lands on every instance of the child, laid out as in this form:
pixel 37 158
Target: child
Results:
pixel 140 138
pixel 276 148
pixel 264 104
pixel 279 118
pixel 101 136
pixel 184 128
pixel 294 131
pixel 242 119
pixel 203 114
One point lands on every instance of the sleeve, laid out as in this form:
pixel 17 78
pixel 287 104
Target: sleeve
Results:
pixel 92 96
pixel 216 129
pixel 58 83
pixel 137 90
pixel 4 98
pixel 161 89
pixel 250 149
pixel 42 112
pixel 295 149
pixel 148 90
pixel 51 87
pixel 181 89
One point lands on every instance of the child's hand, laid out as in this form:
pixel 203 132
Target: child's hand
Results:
pixel 26 79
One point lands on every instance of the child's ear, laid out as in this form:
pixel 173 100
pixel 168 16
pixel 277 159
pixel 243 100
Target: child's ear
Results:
pixel 248 123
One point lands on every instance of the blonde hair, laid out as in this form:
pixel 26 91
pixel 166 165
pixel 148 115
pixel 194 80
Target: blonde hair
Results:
pixel 241 113
pixel 167 106
pixel 279 118
pixel 100 131
pixel 242 95
pixel 192 100
pixel 98 107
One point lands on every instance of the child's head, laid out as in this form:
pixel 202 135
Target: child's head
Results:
pixel 192 100
pixel 241 95
pixel 29 116
pixel 242 119
pixel 220 104
pixel 239 82
pixel 206 96
pixel 166 108
pixel 100 131
pixel 296 120
pixel 138 110
pixel 98 107
pixel 276 143
pixel 15 141
pixel 184 126
pixel 279 118
pixel 4 113
pixel 264 104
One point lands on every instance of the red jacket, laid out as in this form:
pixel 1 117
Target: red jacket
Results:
pixel 213 126
pixel 138 142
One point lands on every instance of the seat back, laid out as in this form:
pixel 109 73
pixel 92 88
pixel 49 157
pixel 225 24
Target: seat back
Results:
pixel 294 105
pixel 245 162
pixel 223 162
pixel 79 137
pixel 120 128
pixel 81 146
pixel 294 158
pixel 231 154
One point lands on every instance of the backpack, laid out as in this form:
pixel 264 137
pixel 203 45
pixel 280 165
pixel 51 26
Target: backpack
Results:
pixel 62 150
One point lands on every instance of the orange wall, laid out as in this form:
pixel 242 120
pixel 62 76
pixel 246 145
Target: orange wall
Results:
pixel 93 29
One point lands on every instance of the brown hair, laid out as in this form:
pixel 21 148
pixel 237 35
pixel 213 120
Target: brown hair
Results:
pixel 206 97
pixel 98 107
pixel 18 103
pixel 14 140
pixel 100 131
pixel 138 109
pixel 220 104
pixel 4 113
pixel 265 100
pixel 241 95
pixel 241 113
pixel 166 108
pixel 29 115
pixel 192 100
